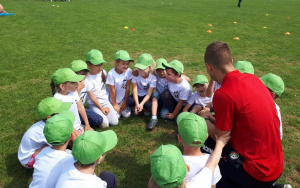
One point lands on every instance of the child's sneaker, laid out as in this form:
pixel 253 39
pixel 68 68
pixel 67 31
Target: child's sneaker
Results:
pixel 279 185
pixel 152 124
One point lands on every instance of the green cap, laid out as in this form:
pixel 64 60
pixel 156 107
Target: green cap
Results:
pixel 59 128
pixel 65 75
pixel 144 61
pixel 192 128
pixel 95 57
pixel 244 67
pixel 167 166
pixel 51 105
pixel 176 65
pixel 79 65
pixel 89 146
pixel 159 63
pixel 274 83
pixel 123 55
pixel 200 79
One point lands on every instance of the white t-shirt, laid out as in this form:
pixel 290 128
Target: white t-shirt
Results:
pixel 44 162
pixel 161 84
pixel 195 98
pixel 143 84
pixel 197 163
pixel 181 91
pixel 72 97
pixel 202 179
pixel 83 92
pixel 32 140
pixel 217 86
pixel 98 87
pixel 71 177
pixel 119 81
pixel 279 116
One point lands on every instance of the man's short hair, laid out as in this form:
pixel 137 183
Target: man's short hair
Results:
pixel 218 54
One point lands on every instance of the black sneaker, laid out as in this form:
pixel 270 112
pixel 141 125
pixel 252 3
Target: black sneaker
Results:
pixel 152 124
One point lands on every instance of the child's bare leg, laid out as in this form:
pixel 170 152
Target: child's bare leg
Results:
pixel 196 109
pixel 154 106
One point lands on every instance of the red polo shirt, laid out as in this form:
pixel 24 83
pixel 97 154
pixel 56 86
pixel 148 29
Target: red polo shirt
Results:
pixel 244 105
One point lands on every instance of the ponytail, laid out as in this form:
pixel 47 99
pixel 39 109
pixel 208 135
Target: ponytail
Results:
pixel 54 87
pixel 103 76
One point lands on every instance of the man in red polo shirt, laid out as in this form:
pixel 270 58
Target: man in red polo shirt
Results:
pixel 243 106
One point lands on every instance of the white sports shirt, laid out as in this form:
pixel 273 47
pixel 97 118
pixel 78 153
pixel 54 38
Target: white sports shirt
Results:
pixel 44 163
pixel 71 177
pixel 181 91
pixel 98 87
pixel 197 163
pixel 195 98
pixel 161 85
pixel 72 97
pixel 32 140
pixel 143 84
pixel 119 81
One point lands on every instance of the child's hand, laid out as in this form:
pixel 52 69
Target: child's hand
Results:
pixel 138 108
pixel 88 128
pixel 205 113
pixel 117 108
pixel 74 135
pixel 170 115
pixel 123 105
pixel 105 111
pixel 223 139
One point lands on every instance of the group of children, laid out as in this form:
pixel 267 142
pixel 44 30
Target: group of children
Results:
pixel 157 87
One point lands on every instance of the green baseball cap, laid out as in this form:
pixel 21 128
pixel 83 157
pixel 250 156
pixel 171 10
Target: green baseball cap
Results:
pixel 144 61
pixel 65 75
pixel 79 65
pixel 200 79
pixel 244 67
pixel 59 128
pixel 274 83
pixel 89 146
pixel 51 105
pixel 167 166
pixel 192 128
pixel 176 65
pixel 95 57
pixel 159 63
pixel 123 55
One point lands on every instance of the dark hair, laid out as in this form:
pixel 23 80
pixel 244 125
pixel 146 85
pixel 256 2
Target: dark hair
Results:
pixel 54 87
pixel 173 70
pixel 218 54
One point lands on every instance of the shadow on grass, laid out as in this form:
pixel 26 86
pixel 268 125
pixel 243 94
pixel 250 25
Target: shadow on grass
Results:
pixel 20 174
pixel 129 170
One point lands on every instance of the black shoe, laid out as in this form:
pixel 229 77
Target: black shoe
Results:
pixel 152 124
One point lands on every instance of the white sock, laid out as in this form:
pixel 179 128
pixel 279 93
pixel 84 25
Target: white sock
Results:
pixel 154 117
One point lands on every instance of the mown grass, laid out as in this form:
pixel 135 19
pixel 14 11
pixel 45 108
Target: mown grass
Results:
pixel 41 38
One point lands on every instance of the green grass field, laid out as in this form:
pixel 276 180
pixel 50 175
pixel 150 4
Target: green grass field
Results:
pixel 45 36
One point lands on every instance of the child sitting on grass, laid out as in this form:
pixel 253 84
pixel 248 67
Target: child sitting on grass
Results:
pixel 199 99
pixel 96 89
pixel 64 87
pixel 33 140
pixel 80 68
pixel 179 90
pixel 89 150
pixel 143 85
pixel 58 130
pixel 161 86
pixel 192 133
pixel 276 87
pixel 169 169
pixel 118 80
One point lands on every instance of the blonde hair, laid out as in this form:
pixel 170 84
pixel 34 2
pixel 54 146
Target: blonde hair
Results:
pixel 153 184
pixel 152 67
